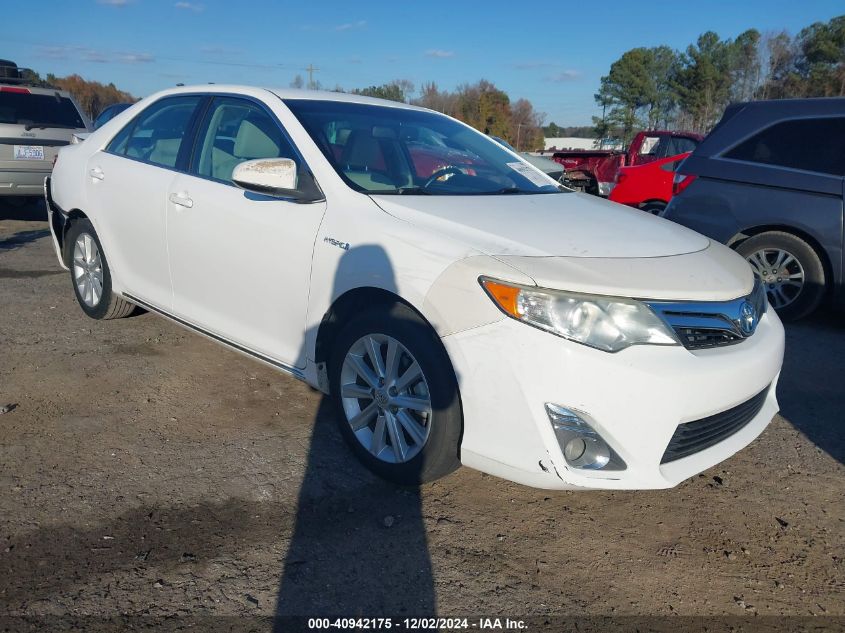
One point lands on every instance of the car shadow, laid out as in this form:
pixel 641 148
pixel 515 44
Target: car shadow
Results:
pixel 810 391
pixel 29 209
pixel 22 238
pixel 26 210
pixel 359 544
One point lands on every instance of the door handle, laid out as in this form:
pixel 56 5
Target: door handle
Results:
pixel 96 173
pixel 181 199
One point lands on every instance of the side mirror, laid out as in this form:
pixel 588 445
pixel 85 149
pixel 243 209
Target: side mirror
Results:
pixel 274 177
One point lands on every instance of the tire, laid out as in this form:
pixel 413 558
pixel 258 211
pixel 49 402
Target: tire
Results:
pixel 790 269
pixel 431 440
pixel 85 257
pixel 655 208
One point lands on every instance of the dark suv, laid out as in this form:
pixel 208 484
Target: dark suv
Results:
pixel 768 181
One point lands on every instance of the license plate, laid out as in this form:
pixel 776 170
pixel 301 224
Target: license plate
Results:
pixel 29 152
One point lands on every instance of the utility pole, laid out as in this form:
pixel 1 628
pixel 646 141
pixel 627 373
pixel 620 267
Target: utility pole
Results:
pixel 310 69
pixel 518 129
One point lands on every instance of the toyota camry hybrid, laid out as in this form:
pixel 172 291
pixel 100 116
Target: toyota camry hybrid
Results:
pixel 456 304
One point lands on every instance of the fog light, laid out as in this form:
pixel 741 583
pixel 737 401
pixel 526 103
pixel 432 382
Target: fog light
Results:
pixel 581 444
pixel 574 449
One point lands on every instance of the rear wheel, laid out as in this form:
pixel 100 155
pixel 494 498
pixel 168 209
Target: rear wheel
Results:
pixel 790 269
pixel 395 396
pixel 89 272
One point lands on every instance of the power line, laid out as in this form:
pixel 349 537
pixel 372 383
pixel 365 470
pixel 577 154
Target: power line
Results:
pixel 311 69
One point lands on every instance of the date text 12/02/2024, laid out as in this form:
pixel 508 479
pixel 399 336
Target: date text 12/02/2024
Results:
pixel 414 624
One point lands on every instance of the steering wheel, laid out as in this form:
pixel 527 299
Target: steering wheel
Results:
pixel 451 169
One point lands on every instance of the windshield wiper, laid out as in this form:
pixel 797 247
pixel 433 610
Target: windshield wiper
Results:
pixel 421 191
pixel 43 126
pixel 505 190
pixel 401 191
pixel 516 190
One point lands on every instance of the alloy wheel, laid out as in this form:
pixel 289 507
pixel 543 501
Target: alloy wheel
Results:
pixel 781 274
pixel 88 269
pixel 385 398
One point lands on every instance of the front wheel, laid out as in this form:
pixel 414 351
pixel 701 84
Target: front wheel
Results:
pixel 396 397
pixel 790 270
pixel 89 272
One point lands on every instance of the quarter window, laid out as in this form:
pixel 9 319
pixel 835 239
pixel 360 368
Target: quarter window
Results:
pixel 236 131
pixel 155 136
pixel 808 144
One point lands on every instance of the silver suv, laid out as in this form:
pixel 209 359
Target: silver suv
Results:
pixel 34 124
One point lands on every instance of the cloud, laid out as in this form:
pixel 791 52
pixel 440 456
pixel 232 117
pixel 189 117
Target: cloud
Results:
pixel 565 75
pixel 532 65
pixel 220 50
pixel 86 54
pixel 349 26
pixel 438 53
pixel 135 58
pixel 355 60
pixel 114 3
pixel 190 6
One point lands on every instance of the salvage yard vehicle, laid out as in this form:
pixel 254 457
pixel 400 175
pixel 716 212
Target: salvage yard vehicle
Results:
pixel 768 181
pixel 34 124
pixel 480 314
pixel 648 186
pixel 595 171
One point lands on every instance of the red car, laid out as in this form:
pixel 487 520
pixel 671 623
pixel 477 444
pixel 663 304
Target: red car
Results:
pixel 595 171
pixel 649 186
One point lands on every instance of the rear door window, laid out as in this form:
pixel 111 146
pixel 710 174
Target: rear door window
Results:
pixel 19 106
pixel 155 136
pixel 808 144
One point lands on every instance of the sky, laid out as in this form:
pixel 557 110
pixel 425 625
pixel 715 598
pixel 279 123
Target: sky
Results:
pixel 545 52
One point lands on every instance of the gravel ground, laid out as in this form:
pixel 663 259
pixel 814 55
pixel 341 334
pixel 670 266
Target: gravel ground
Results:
pixel 147 471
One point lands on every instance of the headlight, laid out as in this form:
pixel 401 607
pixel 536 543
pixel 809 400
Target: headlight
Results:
pixel 606 323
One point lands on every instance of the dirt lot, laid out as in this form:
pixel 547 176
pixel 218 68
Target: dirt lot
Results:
pixel 148 471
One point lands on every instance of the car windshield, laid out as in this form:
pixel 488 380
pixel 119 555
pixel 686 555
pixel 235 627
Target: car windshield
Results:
pixel 109 113
pixel 39 110
pixel 389 150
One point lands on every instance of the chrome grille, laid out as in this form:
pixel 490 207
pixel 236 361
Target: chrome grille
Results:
pixel 707 324
pixel 692 437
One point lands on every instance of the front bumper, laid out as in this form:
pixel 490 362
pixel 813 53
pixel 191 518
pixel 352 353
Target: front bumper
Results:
pixel 57 220
pixel 508 371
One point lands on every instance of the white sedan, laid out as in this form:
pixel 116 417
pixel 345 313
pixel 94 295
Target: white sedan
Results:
pixel 456 304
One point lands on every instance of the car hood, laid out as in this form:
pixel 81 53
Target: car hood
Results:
pixel 545 225
pixel 714 274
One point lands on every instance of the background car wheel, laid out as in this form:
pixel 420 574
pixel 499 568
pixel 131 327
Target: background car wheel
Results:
pixel 790 269
pixel 654 207
pixel 89 273
pixel 396 397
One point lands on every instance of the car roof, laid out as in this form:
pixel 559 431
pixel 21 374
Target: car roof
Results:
pixel 36 90
pixel 741 120
pixel 288 94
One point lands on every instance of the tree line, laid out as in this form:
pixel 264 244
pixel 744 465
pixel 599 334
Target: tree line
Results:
pixel 665 88
pixel 481 105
